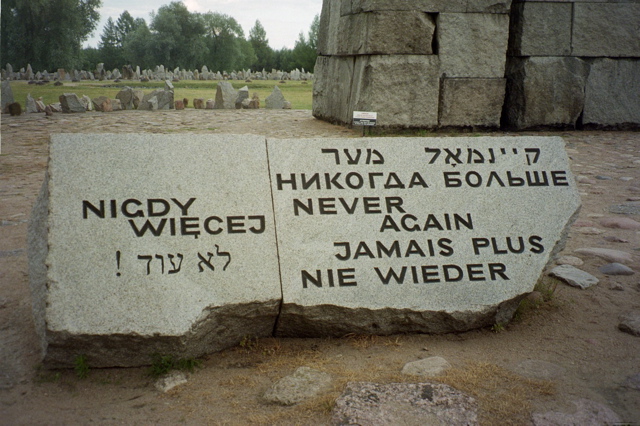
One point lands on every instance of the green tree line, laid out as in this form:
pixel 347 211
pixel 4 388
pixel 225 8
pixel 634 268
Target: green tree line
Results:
pixel 49 34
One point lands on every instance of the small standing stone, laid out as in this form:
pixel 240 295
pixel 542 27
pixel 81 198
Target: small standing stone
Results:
pixel 31 105
pixel 71 103
pixel 179 105
pixel 198 103
pixel 275 100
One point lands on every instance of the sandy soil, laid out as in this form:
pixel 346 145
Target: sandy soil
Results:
pixel 575 330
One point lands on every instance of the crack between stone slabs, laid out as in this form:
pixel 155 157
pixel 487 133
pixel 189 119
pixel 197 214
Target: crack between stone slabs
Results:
pixel 275 232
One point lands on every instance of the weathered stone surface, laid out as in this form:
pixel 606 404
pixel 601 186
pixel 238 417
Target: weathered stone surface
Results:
pixel 7 95
pixel 611 92
pixel 587 413
pixel 111 289
pixel 459 6
pixel 475 102
pixel 619 21
pixel 275 100
pixel 71 103
pixel 210 104
pixel 473 44
pixel 336 276
pixel 179 105
pixel 102 104
pixel 403 404
pixel 630 323
pixel 388 33
pixel 303 384
pixel 609 255
pixel 546 91
pixel 401 99
pixel 225 96
pixel 574 276
pixel 541 29
pixel 432 366
pixel 334 76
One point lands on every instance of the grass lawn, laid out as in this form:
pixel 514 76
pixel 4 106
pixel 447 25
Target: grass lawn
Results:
pixel 296 92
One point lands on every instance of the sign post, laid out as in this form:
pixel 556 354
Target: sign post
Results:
pixel 364 118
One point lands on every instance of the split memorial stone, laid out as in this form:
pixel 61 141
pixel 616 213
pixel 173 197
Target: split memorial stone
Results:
pixel 150 244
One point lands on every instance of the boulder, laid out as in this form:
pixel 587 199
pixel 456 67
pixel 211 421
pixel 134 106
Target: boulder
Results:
pixel 198 103
pixel 102 104
pixel 71 103
pixel 303 384
pixel 225 96
pixel 126 96
pixel 275 100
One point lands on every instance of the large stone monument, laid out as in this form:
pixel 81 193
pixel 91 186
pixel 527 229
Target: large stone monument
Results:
pixel 452 63
pixel 154 244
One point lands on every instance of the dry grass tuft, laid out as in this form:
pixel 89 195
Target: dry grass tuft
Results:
pixel 503 397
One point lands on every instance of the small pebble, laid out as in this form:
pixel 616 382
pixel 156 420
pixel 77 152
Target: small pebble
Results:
pixel 600 177
pixel 626 178
pixel 616 287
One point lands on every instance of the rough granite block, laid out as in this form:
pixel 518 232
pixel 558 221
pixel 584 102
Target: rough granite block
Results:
pixel 545 91
pixel 404 99
pixel 474 102
pixel 606 29
pixel 541 29
pixel 612 94
pixel 472 44
pixel 388 33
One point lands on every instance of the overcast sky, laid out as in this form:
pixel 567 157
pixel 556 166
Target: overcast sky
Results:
pixel 283 20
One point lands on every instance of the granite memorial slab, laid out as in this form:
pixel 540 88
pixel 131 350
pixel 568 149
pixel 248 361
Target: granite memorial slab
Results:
pixel 390 235
pixel 144 244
